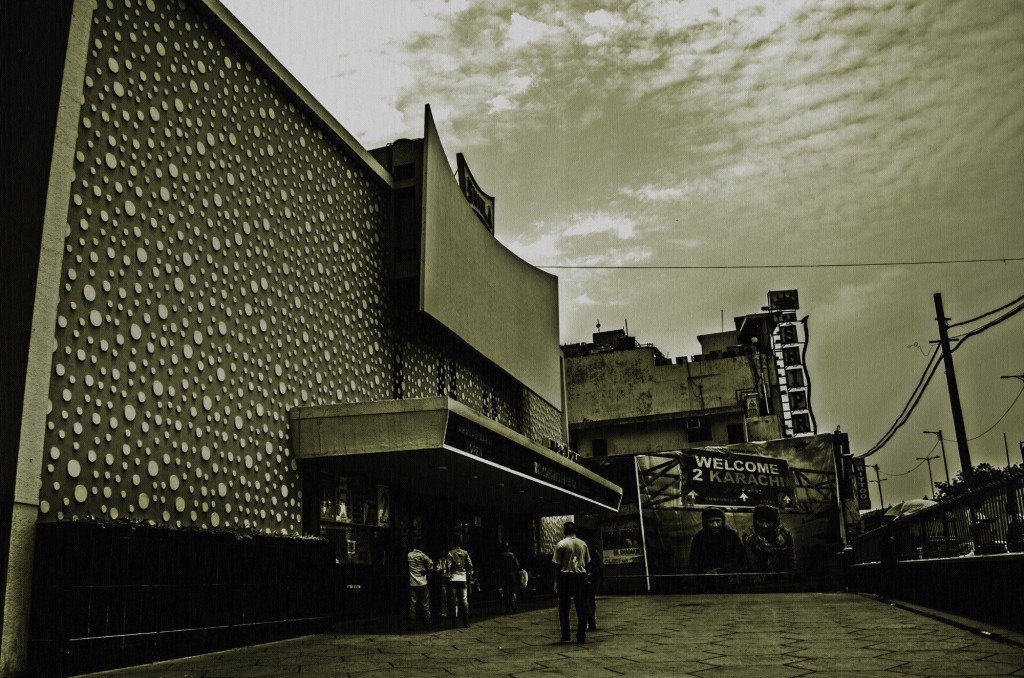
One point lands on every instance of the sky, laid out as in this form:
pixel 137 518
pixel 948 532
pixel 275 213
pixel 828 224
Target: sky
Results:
pixel 708 152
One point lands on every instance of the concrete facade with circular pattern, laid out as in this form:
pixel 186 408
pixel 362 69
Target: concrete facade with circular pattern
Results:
pixel 224 261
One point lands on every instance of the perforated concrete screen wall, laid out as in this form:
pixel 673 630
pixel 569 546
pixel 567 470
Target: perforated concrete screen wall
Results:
pixel 223 263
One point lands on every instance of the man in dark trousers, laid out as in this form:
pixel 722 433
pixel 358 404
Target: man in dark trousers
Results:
pixel 508 577
pixel 717 548
pixel 419 594
pixel 572 557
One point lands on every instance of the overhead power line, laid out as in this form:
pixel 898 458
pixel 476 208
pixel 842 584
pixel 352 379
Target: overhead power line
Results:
pixel 985 315
pixel 932 367
pixel 914 468
pixel 655 267
pixel 989 429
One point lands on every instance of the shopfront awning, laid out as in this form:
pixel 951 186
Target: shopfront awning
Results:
pixel 438 446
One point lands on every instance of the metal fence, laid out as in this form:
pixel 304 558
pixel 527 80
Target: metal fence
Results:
pixel 947 530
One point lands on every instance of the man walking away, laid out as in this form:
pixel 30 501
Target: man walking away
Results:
pixel 508 572
pixel 572 556
pixel 419 594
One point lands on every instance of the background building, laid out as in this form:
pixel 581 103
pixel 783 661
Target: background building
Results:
pixel 228 319
pixel 747 384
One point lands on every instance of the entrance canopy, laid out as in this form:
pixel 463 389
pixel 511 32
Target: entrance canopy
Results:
pixel 440 447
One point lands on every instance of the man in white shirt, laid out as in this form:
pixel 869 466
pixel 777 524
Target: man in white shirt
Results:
pixel 572 556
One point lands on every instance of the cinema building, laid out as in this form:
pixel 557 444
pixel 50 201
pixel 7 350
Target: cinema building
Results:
pixel 249 362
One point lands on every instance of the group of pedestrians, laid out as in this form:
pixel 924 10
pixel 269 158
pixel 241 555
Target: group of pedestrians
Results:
pixel 576 584
pixel 456 571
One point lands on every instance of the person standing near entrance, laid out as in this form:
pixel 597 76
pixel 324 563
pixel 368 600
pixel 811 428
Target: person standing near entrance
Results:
pixel 419 594
pixel 595 575
pixel 508 573
pixel 572 557
pixel 460 567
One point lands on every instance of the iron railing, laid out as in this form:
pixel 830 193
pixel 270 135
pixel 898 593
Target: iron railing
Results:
pixel 946 530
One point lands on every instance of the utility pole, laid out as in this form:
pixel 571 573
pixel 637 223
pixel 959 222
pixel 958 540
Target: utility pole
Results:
pixel 1006 446
pixel 879 480
pixel 942 444
pixel 931 481
pixel 966 468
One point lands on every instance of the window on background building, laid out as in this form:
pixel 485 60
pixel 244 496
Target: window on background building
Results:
pixel 801 423
pixel 735 432
pixel 698 430
pixel 599 447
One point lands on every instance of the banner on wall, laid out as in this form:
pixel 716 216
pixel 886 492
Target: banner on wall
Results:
pixel 765 507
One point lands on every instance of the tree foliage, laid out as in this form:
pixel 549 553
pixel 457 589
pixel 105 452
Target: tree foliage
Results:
pixel 984 474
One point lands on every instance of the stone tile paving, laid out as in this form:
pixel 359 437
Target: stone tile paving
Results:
pixel 725 636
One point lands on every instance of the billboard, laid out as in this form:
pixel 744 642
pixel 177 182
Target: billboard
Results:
pixel 766 508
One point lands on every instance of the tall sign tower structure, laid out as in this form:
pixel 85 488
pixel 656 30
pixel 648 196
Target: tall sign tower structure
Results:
pixel 789 345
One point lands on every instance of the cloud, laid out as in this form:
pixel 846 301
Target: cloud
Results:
pixel 539 250
pixel 668 193
pixel 517 85
pixel 603 19
pixel 500 103
pixel 523 31
pixel 583 300
pixel 621 226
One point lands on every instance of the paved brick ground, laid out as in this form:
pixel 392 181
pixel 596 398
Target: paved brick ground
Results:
pixel 764 636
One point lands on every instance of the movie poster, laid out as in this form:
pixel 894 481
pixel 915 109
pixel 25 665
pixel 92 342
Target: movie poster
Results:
pixel 621 542
pixel 383 506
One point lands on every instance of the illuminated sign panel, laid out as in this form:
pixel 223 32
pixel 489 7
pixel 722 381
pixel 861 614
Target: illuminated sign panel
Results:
pixel 481 203
pixel 860 484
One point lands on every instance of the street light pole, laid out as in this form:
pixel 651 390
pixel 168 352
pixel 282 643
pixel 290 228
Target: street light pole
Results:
pixel 942 444
pixel 928 459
